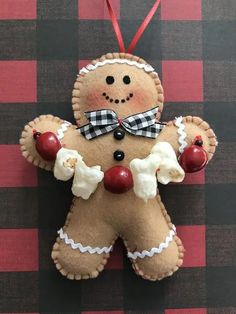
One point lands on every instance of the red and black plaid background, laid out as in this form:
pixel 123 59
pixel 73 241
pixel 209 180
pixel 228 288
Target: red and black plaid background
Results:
pixel 192 43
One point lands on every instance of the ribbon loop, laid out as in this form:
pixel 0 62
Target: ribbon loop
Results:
pixel 141 120
pixel 142 27
pixel 139 32
pixel 116 27
pixel 101 117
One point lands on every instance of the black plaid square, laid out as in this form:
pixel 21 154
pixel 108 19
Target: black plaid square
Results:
pixel 173 109
pixel 148 45
pixel 18 115
pixel 19 208
pixel 55 80
pixel 181 40
pixel 220 81
pixel 190 199
pixel 221 286
pixel 218 113
pixel 57 40
pixel 137 10
pixel 47 238
pixel 222 168
pixel 17 40
pixel 97 42
pixel 221 248
pixel 219 40
pixel 222 310
pixel 54 201
pixel 103 294
pixel 186 289
pixel 18 292
pixel 220 204
pixel 142 295
pixel 219 10
pixel 56 294
pixel 62 109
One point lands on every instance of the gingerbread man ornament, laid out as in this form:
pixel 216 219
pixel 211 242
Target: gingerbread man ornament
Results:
pixel 116 154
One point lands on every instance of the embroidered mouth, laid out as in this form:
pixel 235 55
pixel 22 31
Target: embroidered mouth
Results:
pixel 117 101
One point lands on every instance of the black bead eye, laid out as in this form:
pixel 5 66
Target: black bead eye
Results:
pixel 126 79
pixel 110 80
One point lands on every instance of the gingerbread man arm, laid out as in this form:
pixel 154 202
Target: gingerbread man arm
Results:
pixel 193 126
pixel 65 131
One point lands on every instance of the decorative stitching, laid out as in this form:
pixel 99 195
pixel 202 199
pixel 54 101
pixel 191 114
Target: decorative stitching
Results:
pixel 181 132
pixel 63 236
pixel 63 128
pixel 91 67
pixel 154 250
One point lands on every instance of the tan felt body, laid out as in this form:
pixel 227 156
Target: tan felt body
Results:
pixel 98 221
pixel 141 226
pixel 105 216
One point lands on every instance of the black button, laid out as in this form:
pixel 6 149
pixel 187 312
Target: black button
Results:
pixel 119 155
pixel 119 134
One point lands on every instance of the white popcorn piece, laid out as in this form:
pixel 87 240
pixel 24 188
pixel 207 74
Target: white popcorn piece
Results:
pixel 169 168
pixel 63 169
pixel 68 163
pixel 86 179
pixel 144 176
pixel 161 165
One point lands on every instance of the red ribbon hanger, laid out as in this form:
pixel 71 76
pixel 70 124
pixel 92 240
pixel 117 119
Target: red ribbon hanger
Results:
pixel 139 32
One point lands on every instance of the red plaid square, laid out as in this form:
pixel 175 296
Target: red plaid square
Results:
pixel 19 249
pixel 194 178
pixel 186 311
pixel 15 9
pixel 83 63
pixel 15 171
pixel 182 81
pixel 181 10
pixel 18 81
pixel 193 238
pixel 96 9
pixel 116 258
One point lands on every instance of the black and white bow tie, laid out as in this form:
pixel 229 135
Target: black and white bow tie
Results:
pixel 106 120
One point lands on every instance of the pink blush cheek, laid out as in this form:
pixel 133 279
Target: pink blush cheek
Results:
pixel 142 100
pixel 95 99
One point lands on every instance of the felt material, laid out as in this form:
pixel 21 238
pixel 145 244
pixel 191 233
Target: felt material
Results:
pixel 105 216
pixel 145 87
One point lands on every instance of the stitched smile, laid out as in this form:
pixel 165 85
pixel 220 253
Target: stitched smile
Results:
pixel 117 101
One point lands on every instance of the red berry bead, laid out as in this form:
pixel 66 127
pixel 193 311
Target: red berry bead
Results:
pixel 47 145
pixel 118 179
pixel 36 134
pixel 193 158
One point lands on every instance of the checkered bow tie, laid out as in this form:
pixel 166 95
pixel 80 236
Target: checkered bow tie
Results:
pixel 106 120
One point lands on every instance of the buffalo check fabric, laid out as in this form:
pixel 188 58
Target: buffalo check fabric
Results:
pixel 192 44
pixel 105 120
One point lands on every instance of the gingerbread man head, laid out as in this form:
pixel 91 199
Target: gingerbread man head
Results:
pixel 118 81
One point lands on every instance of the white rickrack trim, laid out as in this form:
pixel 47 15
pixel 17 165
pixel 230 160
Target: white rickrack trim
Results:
pixel 63 128
pixel 154 250
pixel 182 134
pixel 91 67
pixel 78 246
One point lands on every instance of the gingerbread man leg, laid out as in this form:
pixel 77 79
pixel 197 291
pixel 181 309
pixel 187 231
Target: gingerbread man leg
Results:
pixel 84 243
pixel 153 247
